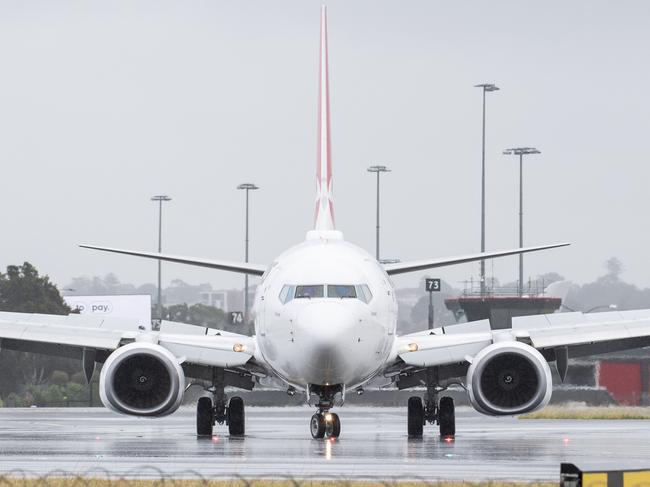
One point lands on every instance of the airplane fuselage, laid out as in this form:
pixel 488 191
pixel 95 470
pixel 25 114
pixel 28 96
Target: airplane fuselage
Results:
pixel 325 314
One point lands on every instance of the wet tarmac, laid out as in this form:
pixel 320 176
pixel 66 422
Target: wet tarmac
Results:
pixel 373 444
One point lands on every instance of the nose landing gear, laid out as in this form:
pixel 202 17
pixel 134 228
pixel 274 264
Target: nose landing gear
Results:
pixel 324 423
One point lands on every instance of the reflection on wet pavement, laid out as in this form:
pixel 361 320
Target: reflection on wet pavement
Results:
pixel 373 443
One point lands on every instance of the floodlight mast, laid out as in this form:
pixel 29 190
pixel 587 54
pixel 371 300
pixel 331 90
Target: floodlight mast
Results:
pixel 487 87
pixel 160 198
pixel 378 170
pixel 521 152
pixel 247 187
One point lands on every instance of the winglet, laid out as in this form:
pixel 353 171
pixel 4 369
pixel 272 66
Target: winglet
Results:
pixel 324 215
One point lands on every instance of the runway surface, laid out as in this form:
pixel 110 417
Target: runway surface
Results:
pixel 373 444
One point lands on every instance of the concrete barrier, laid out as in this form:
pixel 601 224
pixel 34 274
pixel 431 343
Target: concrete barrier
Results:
pixel 572 476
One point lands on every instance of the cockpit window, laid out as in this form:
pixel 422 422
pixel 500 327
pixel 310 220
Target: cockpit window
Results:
pixel 287 293
pixel 341 291
pixel 363 291
pixel 316 291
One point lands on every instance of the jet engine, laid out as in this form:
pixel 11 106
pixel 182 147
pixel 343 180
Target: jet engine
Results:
pixel 509 378
pixel 142 379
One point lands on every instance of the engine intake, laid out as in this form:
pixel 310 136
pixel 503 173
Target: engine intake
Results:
pixel 142 379
pixel 509 378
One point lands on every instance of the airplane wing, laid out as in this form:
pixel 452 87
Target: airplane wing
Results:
pixel 418 265
pixel 507 372
pixel 559 335
pixel 239 267
pixel 196 348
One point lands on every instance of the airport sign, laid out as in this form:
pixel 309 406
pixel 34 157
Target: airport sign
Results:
pixel 432 285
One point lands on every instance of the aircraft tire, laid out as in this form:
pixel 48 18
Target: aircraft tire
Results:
pixel 415 417
pixel 204 417
pixel 236 417
pixel 317 426
pixel 336 426
pixel 447 417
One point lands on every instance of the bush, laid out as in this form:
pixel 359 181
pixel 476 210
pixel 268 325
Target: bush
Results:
pixel 59 378
pixel 78 378
pixel 67 394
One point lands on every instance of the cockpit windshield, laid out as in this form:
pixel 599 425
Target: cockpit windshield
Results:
pixel 340 291
pixel 316 291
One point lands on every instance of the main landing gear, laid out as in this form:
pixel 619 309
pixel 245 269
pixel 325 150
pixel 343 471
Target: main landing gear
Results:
pixel 324 423
pixel 213 410
pixel 431 410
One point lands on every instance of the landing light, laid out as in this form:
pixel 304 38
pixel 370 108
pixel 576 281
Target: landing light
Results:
pixel 328 417
pixel 238 347
pixel 413 347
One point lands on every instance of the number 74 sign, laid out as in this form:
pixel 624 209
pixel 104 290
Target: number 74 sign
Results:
pixel 432 285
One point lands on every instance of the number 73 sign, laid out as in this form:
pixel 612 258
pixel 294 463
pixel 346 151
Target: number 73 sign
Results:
pixel 432 285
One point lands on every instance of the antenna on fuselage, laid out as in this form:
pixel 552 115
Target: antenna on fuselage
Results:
pixel 324 215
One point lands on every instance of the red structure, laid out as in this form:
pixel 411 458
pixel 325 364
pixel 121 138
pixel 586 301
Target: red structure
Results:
pixel 627 381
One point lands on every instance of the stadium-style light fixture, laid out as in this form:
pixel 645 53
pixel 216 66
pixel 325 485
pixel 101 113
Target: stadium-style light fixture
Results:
pixel 247 187
pixel 521 152
pixel 378 170
pixel 160 198
pixel 487 88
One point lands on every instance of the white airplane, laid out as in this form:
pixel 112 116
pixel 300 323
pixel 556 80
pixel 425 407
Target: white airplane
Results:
pixel 325 325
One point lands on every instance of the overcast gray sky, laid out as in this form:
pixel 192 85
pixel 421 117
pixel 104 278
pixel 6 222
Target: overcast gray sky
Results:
pixel 103 104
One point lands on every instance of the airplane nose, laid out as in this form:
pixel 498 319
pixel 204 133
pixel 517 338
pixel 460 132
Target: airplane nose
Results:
pixel 324 332
pixel 328 322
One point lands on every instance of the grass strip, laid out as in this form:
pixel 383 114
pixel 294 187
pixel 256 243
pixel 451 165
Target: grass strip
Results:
pixel 572 412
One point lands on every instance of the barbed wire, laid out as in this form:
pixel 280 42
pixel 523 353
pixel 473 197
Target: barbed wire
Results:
pixel 151 476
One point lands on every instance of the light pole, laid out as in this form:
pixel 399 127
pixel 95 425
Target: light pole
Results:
pixel 487 87
pixel 160 198
pixel 248 187
pixel 521 151
pixel 378 170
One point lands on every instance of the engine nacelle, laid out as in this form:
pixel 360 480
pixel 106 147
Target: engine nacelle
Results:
pixel 142 379
pixel 509 378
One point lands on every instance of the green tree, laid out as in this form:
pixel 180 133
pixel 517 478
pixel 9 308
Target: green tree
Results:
pixel 23 290
pixel 608 289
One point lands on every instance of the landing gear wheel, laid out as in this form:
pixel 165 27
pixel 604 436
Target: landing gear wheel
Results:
pixel 317 426
pixel 235 417
pixel 447 417
pixel 204 417
pixel 415 417
pixel 335 430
